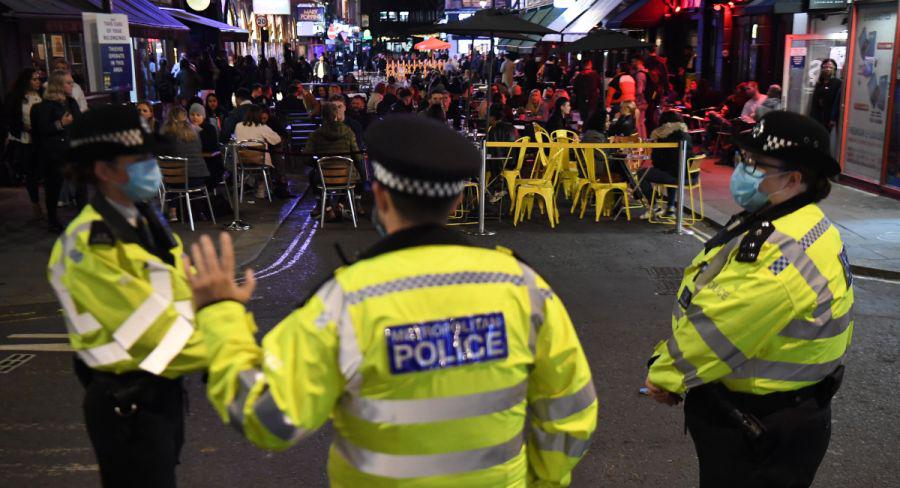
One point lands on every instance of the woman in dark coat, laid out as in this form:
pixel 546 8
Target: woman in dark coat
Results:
pixel 665 161
pixel 50 123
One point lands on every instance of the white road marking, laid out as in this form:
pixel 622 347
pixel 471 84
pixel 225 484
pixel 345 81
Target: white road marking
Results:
pixel 56 347
pixel 38 336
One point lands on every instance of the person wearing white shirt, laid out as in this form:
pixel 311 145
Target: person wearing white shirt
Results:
pixel 253 129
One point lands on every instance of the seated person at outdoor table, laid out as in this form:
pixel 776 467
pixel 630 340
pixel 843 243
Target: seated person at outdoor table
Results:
pixel 518 98
pixel 334 137
pixel 254 128
pixel 665 161
pixel 209 144
pixel 215 113
pixel 557 118
pixel 623 123
pixel 536 107
pixel 179 139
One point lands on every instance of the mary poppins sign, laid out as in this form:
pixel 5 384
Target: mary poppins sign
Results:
pixel 108 46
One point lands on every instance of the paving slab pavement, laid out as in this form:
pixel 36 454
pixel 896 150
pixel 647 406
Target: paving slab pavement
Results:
pixel 869 224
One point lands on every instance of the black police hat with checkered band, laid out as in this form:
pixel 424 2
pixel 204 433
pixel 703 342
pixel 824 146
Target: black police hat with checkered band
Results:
pixel 792 138
pixel 107 132
pixel 421 157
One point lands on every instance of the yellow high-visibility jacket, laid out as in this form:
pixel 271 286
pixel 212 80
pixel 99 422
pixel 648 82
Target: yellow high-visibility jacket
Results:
pixel 768 311
pixel 125 308
pixel 426 354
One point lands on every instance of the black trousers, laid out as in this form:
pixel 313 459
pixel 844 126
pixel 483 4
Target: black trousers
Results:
pixel 136 446
pixel 53 181
pixel 27 164
pixel 796 439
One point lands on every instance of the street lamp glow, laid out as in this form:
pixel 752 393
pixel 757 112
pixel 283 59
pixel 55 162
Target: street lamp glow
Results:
pixel 483 3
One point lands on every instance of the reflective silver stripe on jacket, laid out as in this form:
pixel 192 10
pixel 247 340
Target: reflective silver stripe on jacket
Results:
pixel 823 325
pixel 717 342
pixel 548 409
pixel 536 297
pixel 785 371
pixel 274 420
pixel 246 381
pixel 691 379
pixel 424 410
pixel 559 442
pixel 403 466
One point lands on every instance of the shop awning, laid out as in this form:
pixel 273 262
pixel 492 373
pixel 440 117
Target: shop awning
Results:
pixel 228 32
pixel 542 16
pixel 45 8
pixel 146 20
pixel 641 14
pixel 579 18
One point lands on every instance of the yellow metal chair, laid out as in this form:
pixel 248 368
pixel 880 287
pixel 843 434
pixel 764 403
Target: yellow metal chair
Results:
pixel 511 175
pixel 544 187
pixel 568 171
pixel 601 187
pixel 692 183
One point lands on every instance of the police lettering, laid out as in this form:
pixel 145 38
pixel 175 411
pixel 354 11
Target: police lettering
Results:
pixel 446 343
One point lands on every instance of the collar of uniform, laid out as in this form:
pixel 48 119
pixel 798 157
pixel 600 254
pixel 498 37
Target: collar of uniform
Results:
pixel 421 235
pixel 129 213
pixel 744 221
pixel 116 222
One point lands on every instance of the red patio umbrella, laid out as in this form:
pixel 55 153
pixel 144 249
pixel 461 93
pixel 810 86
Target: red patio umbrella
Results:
pixel 432 44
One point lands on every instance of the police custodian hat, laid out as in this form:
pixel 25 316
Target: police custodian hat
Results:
pixel 107 132
pixel 421 157
pixel 792 138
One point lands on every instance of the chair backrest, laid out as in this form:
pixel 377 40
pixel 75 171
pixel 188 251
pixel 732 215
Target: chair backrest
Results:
pixel 565 134
pixel 543 154
pixel 251 152
pixel 694 163
pixel 635 162
pixel 522 150
pixel 174 171
pixel 335 171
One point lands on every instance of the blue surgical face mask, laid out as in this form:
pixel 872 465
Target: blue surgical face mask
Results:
pixel 144 180
pixel 745 188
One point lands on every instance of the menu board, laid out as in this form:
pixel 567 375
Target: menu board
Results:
pixel 866 108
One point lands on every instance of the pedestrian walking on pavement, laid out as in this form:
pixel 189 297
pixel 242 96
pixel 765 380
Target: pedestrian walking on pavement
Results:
pixel 763 318
pixel 51 120
pixel 426 353
pixel 25 94
pixel 118 274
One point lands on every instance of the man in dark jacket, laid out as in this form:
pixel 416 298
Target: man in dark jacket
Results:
pixel 293 99
pixel 404 104
pixel 303 71
pixel 587 86
pixel 242 96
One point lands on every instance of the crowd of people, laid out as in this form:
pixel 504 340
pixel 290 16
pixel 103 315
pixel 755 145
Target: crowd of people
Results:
pixel 204 101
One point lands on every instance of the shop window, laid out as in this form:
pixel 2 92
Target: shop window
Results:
pixel 39 51
pixel 392 16
pixel 382 16
pixel 404 16
pixel 75 56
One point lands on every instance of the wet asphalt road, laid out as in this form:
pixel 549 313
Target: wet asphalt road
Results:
pixel 617 280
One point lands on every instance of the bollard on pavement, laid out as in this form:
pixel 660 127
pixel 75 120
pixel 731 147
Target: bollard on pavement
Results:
pixel 237 223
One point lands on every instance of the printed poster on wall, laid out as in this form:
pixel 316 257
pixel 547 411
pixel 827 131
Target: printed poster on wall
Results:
pixel 871 80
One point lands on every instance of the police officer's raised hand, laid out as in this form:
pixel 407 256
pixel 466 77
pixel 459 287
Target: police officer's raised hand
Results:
pixel 660 395
pixel 213 277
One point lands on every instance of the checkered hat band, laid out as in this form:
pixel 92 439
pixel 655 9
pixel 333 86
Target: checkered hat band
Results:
pixel 127 138
pixel 421 188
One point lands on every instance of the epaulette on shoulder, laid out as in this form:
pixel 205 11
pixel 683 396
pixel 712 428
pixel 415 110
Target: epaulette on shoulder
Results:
pixel 752 242
pixel 101 234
